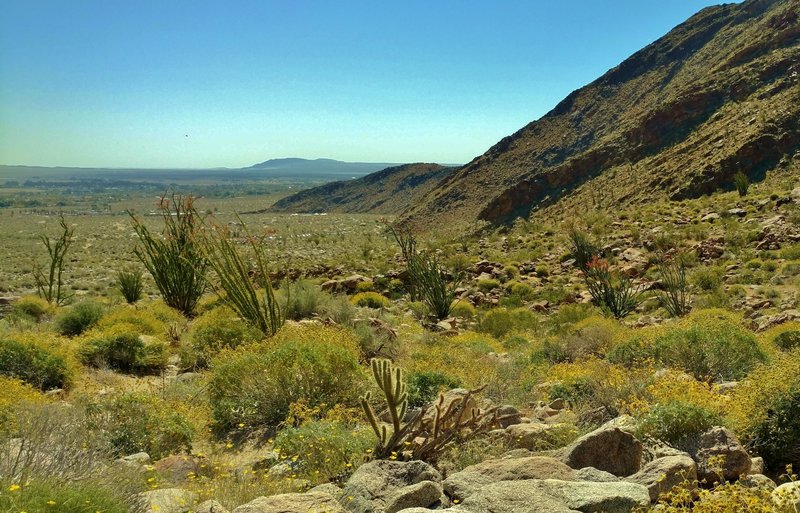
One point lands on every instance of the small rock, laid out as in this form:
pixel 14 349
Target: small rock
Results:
pixel 607 448
pixel 663 474
pixel 210 506
pixel 310 502
pixel 719 443
pixel 593 475
pixel 786 498
pixel 757 481
pixel 168 500
pixel 423 494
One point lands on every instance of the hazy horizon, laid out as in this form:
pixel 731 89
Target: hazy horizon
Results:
pixel 175 85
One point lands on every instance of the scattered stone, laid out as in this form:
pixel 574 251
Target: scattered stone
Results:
pixel 168 500
pixel 786 498
pixel 508 415
pixel 757 481
pixel 719 443
pixel 738 212
pixel 533 436
pixel 210 506
pixel 462 484
pixel 139 458
pixel 757 465
pixel 423 494
pixel 710 218
pixel 593 475
pixel 373 484
pixel 179 467
pixel 310 502
pixel 610 497
pixel 663 474
pixel 608 448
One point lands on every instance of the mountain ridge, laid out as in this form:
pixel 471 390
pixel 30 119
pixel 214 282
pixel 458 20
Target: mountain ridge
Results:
pixel 653 121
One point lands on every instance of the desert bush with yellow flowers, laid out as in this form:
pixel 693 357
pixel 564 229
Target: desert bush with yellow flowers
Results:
pixel 219 328
pixel 764 410
pixel 16 393
pixel 255 384
pixel 41 359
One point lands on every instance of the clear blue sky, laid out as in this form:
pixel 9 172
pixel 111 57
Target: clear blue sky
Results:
pixel 122 83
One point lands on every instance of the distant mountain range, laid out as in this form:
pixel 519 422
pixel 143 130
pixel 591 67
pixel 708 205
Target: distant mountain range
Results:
pixel 390 191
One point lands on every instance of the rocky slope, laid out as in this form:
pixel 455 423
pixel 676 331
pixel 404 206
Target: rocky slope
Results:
pixel 390 191
pixel 718 94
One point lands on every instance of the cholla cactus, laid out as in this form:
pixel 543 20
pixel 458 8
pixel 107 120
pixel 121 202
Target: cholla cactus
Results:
pixel 413 437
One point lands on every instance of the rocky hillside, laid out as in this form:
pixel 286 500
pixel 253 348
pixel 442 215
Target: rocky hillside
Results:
pixel 718 94
pixel 390 191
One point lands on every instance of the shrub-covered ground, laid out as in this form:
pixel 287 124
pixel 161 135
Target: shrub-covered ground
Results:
pixel 231 415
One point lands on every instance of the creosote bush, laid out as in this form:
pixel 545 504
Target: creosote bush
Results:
pixel 217 329
pixel 500 321
pixel 677 423
pixel 255 383
pixel 370 300
pixel 78 318
pixel 136 422
pixel 40 363
pixel 34 307
pixel 123 349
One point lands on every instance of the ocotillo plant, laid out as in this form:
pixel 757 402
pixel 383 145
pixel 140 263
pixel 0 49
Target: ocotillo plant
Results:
pixel 50 284
pixel 430 282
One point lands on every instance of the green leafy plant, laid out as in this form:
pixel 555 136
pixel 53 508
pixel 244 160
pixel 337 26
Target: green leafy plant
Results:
pixel 677 423
pixel 252 298
pixel 582 250
pixel 78 318
pixel 35 364
pixel 370 300
pixel 174 258
pixel 49 281
pixel 742 183
pixel 430 281
pixel 123 349
pixel 614 292
pixel 674 298
pixel 130 284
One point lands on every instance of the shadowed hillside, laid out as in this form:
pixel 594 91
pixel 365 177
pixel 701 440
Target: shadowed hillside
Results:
pixel 390 191
pixel 718 94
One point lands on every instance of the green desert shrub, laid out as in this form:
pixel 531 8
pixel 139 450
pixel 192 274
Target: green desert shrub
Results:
pixel 424 386
pixel 36 362
pixel 707 278
pixel 255 383
pixel 488 284
pixel 34 307
pixel 500 321
pixel 371 300
pixel 787 340
pixel 130 284
pixel 433 284
pixel 522 291
pixel 137 422
pixel 122 348
pixel 582 249
pixel 213 331
pixel 305 299
pixel 324 449
pixel 677 423
pixel 143 321
pixel 78 318
pixel 41 495
pixel 464 310
pixel 711 346
pixel 764 411
pixel 741 183
pixel 631 352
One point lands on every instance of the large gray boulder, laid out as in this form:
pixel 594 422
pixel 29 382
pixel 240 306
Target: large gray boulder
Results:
pixel 619 497
pixel 787 498
pixel 512 497
pixel 423 494
pixel 719 448
pixel 373 484
pixel 608 448
pixel 168 500
pixel 462 484
pixel 311 502
pixel 663 474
